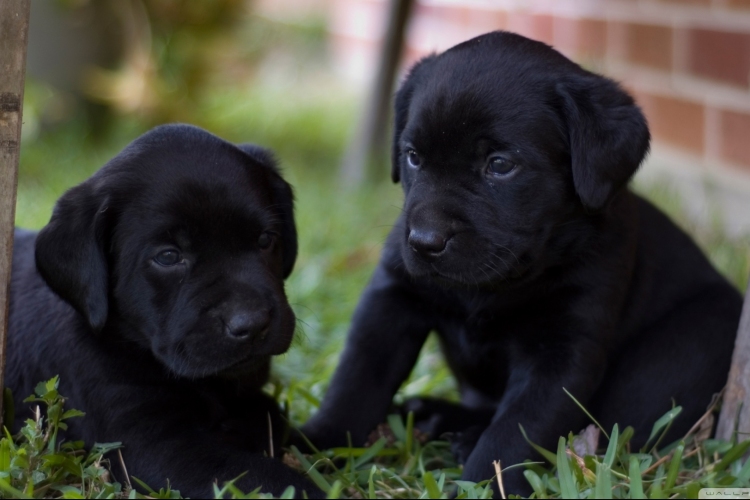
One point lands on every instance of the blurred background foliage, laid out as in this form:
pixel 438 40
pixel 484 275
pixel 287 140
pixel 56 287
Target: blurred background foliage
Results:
pixel 103 71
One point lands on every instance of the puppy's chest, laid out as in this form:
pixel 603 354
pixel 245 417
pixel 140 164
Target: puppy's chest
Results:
pixel 481 347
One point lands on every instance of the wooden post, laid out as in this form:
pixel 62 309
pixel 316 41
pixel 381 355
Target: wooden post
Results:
pixel 735 409
pixel 366 153
pixel 14 33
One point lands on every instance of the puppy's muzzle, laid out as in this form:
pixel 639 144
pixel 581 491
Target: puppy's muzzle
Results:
pixel 249 326
pixel 427 244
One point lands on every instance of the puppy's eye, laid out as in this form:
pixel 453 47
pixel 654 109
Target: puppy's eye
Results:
pixel 500 166
pixel 168 258
pixel 265 240
pixel 413 159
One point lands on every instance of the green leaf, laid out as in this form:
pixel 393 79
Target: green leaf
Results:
pixel 636 482
pixel 370 452
pixel 288 493
pixel 4 455
pixel 665 420
pixel 674 467
pixel 536 483
pixel 143 485
pixel 567 481
pixel 311 471
pixel 397 426
pixel 431 485
pixel 13 492
pixel 371 483
pixel 72 414
pixel 603 488
pixel 732 455
pixel 307 396
pixel 336 488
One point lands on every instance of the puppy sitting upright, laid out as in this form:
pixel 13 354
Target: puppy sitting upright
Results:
pixel 159 300
pixel 521 246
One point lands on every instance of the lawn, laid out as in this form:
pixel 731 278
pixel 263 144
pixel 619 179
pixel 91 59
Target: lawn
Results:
pixel 341 232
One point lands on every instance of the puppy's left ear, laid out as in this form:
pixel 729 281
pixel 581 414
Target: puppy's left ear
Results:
pixel 401 105
pixel 608 137
pixel 70 252
pixel 283 202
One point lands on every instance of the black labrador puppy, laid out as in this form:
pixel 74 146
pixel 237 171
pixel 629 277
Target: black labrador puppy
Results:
pixel 522 247
pixel 156 292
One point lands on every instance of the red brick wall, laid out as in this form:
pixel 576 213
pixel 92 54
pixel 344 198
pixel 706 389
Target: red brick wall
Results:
pixel 687 62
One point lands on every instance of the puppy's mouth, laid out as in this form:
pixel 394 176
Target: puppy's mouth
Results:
pixel 470 266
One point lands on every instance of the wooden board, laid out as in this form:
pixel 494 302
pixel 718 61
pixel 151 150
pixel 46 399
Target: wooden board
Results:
pixel 735 409
pixel 14 32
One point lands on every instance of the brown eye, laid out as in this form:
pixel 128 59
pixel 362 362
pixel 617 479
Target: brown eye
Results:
pixel 168 258
pixel 499 166
pixel 413 159
pixel 265 240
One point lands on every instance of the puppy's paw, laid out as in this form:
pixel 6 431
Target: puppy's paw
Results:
pixel 436 417
pixel 464 442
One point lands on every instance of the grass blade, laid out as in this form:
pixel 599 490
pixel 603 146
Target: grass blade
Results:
pixel 371 483
pixel 636 482
pixel 603 488
pixel 674 467
pixel 567 481
pixel 609 457
pixel 311 471
pixel 431 485
pixel 370 453
pixel 664 421
pixel 586 412
pixel 732 455
pixel 396 424
pixel 548 455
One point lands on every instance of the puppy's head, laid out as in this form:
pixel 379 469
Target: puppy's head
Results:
pixel 505 150
pixel 180 243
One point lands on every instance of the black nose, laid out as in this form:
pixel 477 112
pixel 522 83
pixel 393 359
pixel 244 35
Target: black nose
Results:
pixel 427 243
pixel 248 324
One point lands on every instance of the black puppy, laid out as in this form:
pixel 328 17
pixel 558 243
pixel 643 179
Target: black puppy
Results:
pixel 521 246
pixel 156 292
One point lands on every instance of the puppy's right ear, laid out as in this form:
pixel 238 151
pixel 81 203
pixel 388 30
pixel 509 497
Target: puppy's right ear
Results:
pixel 70 252
pixel 401 111
pixel 284 202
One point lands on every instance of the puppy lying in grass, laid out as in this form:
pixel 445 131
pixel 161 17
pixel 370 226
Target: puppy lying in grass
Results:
pixel 522 247
pixel 156 292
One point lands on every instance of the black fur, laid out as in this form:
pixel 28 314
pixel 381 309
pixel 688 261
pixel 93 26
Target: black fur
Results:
pixel 168 359
pixel 547 274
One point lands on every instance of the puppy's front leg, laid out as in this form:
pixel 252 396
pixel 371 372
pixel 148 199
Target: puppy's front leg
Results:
pixel 169 441
pixel 387 333
pixel 535 399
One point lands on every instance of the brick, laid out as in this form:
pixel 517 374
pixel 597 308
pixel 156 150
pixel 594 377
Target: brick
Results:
pixel 719 55
pixel 735 137
pixel 737 4
pixel 480 20
pixel 436 27
pixel 536 26
pixel 674 121
pixel 643 44
pixel 688 2
pixel 580 37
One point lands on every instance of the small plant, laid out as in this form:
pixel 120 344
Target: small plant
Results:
pixel 37 464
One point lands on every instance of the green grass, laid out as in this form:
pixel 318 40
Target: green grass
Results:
pixel 341 234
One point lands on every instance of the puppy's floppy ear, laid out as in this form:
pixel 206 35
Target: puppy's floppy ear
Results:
pixel 401 111
pixel 283 202
pixel 608 136
pixel 70 252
